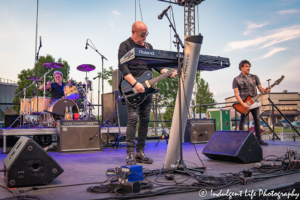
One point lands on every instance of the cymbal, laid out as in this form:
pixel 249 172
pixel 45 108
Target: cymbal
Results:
pixel 86 67
pixel 34 78
pixel 53 65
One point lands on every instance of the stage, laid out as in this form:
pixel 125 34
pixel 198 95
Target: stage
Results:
pixel 86 169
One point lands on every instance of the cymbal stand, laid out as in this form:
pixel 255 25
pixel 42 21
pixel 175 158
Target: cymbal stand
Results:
pixel 43 112
pixel 24 106
pixel 85 94
pixel 87 114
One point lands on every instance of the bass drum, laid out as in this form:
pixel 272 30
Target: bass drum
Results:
pixel 59 107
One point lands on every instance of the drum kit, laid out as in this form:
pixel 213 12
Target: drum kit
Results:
pixel 41 111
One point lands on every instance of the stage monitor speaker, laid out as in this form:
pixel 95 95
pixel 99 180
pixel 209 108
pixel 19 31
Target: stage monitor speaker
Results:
pixel 116 78
pixel 199 130
pixel 234 146
pixel 76 135
pixel 109 107
pixel 29 164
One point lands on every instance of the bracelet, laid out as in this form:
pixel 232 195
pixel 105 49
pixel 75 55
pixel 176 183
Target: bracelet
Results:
pixel 135 83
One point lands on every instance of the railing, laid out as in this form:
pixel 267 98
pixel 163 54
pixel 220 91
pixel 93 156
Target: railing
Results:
pixel 3 80
pixel 271 128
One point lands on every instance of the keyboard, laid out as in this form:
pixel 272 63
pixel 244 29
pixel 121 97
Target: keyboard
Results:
pixel 159 58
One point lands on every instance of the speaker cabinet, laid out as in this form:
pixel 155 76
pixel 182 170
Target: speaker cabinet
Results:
pixel 9 119
pixel 109 107
pixel 199 130
pixel 234 146
pixel 116 79
pixel 76 135
pixel 29 164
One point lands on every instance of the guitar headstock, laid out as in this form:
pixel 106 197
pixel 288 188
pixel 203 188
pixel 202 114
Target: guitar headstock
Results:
pixel 279 81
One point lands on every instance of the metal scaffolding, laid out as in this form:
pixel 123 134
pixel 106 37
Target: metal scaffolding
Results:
pixel 189 29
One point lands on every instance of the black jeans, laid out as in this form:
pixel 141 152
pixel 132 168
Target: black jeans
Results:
pixel 143 112
pixel 255 114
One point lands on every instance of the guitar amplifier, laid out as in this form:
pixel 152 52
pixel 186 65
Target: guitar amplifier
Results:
pixel 199 130
pixel 75 135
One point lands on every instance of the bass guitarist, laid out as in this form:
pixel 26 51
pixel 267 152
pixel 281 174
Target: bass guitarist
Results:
pixel 244 85
pixel 129 72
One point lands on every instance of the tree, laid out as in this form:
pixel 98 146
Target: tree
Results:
pixel 168 87
pixel 23 82
pixel 204 96
pixel 107 74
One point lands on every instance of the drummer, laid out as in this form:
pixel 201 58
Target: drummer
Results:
pixel 56 89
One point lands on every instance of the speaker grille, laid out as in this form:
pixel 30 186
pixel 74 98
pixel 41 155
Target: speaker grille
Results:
pixel 226 142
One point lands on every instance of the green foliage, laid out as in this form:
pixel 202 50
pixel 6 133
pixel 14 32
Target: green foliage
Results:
pixel 107 74
pixel 204 96
pixel 23 82
pixel 168 88
pixel 168 115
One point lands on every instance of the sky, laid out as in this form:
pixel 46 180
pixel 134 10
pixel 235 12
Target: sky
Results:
pixel 267 33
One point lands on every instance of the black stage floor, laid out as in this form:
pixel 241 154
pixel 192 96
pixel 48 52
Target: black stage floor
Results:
pixel 86 169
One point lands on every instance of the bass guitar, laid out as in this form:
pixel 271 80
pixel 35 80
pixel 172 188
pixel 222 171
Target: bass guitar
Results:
pixel 253 101
pixel 132 96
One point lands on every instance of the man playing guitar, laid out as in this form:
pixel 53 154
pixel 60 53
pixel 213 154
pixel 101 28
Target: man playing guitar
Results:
pixel 129 72
pixel 244 85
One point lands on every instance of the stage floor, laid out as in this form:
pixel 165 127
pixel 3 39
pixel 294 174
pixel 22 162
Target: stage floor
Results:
pixel 85 169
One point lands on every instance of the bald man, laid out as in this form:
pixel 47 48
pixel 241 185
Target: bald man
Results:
pixel 139 33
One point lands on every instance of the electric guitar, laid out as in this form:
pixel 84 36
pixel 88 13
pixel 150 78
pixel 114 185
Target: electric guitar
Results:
pixel 253 101
pixel 132 96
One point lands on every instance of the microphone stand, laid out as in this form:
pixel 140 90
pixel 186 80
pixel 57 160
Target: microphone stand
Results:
pixel 98 94
pixel 102 57
pixel 180 164
pixel 37 65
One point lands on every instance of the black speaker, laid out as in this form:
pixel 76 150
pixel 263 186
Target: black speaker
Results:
pixel 9 119
pixel 116 78
pixel 234 146
pixel 109 107
pixel 199 130
pixel 76 135
pixel 29 164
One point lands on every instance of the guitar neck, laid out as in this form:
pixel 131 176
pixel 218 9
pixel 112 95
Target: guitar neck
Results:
pixel 263 93
pixel 159 78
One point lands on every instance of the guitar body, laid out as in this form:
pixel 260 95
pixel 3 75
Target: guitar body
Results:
pixel 135 99
pixel 238 107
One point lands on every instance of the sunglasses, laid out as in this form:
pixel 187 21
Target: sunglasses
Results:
pixel 143 34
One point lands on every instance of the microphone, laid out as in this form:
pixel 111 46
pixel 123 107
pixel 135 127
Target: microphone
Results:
pixel 163 13
pixel 96 77
pixel 40 41
pixel 259 165
pixel 86 44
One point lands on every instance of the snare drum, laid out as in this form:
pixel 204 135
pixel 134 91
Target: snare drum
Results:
pixel 71 92
pixel 59 107
pixel 43 105
pixel 27 106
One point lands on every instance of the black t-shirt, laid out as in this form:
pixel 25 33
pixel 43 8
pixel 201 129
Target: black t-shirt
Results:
pixel 57 91
pixel 135 70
